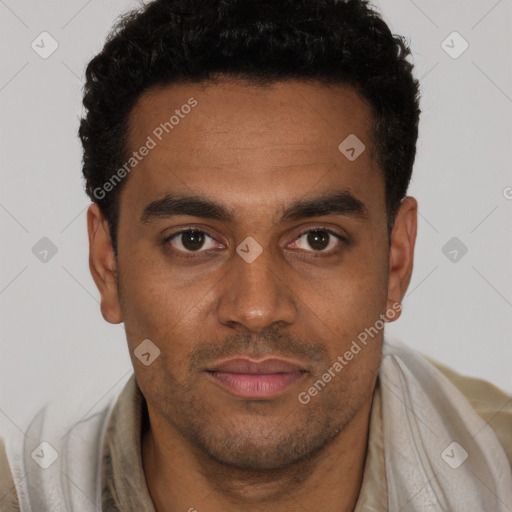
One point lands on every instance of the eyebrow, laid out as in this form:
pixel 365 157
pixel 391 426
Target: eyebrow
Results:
pixel 340 202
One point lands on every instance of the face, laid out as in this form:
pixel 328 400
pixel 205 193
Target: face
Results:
pixel 283 253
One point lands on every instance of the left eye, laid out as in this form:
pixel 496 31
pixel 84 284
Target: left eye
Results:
pixel 318 239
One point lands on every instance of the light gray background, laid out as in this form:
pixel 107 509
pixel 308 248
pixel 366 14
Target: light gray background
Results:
pixel 53 338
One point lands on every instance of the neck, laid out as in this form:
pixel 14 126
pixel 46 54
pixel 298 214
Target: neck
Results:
pixel 180 478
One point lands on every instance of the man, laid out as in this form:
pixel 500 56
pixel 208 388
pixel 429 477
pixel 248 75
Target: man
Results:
pixel 248 164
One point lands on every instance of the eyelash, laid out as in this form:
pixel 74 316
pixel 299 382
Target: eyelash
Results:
pixel 193 254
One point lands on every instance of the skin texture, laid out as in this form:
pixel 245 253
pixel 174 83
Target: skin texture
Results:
pixel 255 150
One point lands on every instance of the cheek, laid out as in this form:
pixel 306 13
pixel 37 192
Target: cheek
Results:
pixel 366 276
pixel 358 291
pixel 153 309
pixel 351 309
pixel 150 293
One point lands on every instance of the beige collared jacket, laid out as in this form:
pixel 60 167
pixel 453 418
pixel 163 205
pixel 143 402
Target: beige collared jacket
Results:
pixel 123 484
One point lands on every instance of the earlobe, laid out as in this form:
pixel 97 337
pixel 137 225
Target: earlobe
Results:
pixel 401 253
pixel 102 264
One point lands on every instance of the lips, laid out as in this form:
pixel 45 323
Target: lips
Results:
pixel 247 378
pixel 245 365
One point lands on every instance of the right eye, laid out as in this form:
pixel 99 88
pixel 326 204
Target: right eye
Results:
pixel 189 241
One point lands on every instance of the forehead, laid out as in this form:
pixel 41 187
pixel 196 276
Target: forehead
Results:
pixel 250 146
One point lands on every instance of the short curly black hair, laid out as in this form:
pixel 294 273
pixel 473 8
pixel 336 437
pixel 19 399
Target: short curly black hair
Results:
pixel 262 41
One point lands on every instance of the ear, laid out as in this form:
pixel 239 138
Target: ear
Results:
pixel 401 253
pixel 103 265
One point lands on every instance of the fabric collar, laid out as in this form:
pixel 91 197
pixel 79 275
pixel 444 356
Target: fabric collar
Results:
pixel 124 486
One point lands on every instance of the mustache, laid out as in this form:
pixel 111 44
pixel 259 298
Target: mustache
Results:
pixel 270 342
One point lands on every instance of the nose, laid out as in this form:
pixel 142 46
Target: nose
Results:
pixel 256 294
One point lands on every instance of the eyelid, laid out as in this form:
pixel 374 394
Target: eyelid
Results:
pixel 319 254
pixel 187 230
pixel 322 228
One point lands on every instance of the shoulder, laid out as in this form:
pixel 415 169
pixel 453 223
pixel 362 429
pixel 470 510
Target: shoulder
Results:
pixel 492 404
pixel 8 497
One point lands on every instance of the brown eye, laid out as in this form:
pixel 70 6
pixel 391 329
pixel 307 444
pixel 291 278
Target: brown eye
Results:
pixel 319 240
pixel 190 240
